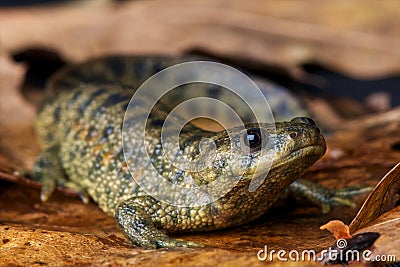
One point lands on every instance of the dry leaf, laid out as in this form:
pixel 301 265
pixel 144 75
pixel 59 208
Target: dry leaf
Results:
pixel 388 244
pixel 337 228
pixel 381 199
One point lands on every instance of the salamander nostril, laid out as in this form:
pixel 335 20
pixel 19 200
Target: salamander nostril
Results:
pixel 305 120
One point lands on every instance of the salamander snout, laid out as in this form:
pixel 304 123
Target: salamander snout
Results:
pixel 304 132
pixel 305 120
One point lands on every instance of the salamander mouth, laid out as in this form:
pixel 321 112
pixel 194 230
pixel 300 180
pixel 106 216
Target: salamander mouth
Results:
pixel 310 152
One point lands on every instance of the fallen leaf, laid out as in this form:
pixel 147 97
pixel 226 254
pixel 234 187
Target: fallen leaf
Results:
pixel 383 198
pixel 387 245
pixel 337 228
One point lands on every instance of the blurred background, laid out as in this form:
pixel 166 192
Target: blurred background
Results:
pixel 339 59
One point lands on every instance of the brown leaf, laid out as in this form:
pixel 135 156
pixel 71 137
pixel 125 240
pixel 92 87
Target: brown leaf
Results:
pixel 381 199
pixel 337 228
pixel 387 245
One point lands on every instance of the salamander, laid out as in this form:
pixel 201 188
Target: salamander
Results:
pixel 80 126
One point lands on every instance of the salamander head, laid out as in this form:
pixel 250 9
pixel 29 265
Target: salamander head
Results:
pixel 258 151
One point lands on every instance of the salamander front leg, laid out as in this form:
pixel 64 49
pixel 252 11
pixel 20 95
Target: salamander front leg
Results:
pixel 324 197
pixel 139 218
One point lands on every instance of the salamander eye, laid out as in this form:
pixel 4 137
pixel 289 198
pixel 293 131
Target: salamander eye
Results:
pixel 253 138
pixel 293 135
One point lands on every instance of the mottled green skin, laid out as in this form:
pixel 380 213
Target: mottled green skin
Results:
pixel 80 124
